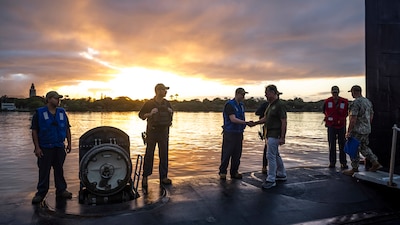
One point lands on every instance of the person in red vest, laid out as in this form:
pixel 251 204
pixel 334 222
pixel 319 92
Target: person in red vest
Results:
pixel 336 110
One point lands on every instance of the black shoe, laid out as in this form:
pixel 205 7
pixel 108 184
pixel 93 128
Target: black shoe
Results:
pixel 37 199
pixel 280 178
pixel 166 181
pixel 344 166
pixel 65 194
pixel 237 176
pixel 268 185
pixel 331 166
pixel 222 176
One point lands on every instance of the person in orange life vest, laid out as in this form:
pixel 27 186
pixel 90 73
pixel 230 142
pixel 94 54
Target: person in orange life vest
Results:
pixel 335 109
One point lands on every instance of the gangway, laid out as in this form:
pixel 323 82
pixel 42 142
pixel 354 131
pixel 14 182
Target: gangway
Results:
pixel 389 179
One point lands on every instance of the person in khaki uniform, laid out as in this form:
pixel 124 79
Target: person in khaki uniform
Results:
pixel 360 115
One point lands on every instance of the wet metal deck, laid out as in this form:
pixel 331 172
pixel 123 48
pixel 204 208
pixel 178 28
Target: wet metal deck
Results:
pixel 311 195
pixel 379 177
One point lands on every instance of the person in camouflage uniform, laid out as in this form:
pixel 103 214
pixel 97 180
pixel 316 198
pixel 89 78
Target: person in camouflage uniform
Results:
pixel 361 115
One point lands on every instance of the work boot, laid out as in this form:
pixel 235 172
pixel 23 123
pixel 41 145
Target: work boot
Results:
pixel 222 176
pixel 65 194
pixel 236 176
pixel 344 166
pixel 166 181
pixel 350 172
pixel 375 166
pixel 37 199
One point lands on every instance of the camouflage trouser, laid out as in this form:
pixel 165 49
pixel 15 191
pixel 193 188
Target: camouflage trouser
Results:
pixel 364 150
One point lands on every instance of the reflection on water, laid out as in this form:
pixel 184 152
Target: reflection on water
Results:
pixel 195 144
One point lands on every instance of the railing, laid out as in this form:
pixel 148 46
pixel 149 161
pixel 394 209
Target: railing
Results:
pixel 393 155
pixel 136 175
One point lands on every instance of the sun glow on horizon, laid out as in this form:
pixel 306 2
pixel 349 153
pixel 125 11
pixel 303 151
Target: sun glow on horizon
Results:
pixel 139 83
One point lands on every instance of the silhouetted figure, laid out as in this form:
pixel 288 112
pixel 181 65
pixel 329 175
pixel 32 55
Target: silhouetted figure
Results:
pixel 158 112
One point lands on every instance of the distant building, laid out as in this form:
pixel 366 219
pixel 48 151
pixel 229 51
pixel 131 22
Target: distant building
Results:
pixel 8 106
pixel 32 91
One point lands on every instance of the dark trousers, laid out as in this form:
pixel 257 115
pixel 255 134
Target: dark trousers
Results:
pixel 158 136
pixel 265 160
pixel 232 144
pixel 339 134
pixel 52 157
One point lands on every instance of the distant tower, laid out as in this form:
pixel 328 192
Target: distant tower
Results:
pixel 32 91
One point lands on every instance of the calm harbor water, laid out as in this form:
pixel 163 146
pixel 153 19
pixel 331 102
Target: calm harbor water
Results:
pixel 195 144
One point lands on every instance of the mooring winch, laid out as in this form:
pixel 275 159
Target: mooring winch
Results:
pixel 105 167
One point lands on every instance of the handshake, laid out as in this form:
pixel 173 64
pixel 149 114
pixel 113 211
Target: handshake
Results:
pixel 251 123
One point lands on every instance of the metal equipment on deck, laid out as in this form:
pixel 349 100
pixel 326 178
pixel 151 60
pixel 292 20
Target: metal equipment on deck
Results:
pixel 389 179
pixel 105 167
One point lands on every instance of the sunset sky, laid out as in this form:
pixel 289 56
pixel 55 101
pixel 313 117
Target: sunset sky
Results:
pixel 201 49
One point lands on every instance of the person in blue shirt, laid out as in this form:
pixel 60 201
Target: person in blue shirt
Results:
pixel 50 127
pixel 233 128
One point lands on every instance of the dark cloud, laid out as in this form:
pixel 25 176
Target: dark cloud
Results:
pixel 235 42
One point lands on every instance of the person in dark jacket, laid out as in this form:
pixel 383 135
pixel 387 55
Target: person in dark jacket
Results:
pixel 158 112
pixel 275 121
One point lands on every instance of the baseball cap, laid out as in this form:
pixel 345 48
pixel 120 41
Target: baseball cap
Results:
pixel 335 89
pixel 355 88
pixel 161 86
pixel 274 89
pixel 241 91
pixel 53 94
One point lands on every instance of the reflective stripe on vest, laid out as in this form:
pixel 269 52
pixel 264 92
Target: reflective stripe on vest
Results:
pixel 52 129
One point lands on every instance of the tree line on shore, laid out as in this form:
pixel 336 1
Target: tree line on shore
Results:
pixel 122 104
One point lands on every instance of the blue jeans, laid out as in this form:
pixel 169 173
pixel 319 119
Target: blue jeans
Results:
pixel 275 163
